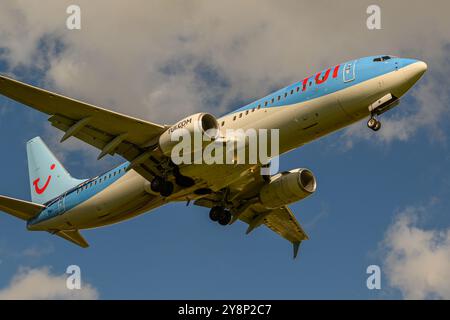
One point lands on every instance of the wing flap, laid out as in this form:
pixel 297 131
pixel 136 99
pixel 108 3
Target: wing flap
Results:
pixel 95 137
pixel 19 208
pixel 281 221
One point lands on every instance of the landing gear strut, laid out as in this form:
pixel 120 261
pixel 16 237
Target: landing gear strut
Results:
pixel 181 180
pixel 374 124
pixel 221 215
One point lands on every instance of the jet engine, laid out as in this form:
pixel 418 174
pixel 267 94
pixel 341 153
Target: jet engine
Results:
pixel 196 127
pixel 287 187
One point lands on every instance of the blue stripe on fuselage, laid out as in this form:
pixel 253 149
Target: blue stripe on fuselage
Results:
pixel 366 68
pixel 79 194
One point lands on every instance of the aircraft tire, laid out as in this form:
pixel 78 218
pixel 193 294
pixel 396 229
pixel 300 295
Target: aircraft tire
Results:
pixel 377 126
pixel 224 218
pixel 215 213
pixel 156 184
pixel 372 123
pixel 166 188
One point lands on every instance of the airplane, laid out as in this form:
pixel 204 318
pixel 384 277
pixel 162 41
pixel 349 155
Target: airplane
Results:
pixel 303 112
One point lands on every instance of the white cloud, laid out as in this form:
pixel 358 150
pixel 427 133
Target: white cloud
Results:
pixel 417 261
pixel 37 251
pixel 150 58
pixel 40 284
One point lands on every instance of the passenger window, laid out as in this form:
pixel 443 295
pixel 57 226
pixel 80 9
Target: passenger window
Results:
pixel 259 106
pixel 234 118
pixel 292 91
pixel 223 123
pixel 265 104
pixel 285 95
pixel 246 112
pixel 273 100
pixel 298 89
pixel 240 115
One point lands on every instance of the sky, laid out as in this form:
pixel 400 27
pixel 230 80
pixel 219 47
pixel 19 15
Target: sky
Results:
pixel 383 198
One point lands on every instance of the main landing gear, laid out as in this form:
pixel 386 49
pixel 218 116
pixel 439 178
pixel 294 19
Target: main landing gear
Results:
pixel 220 214
pixel 374 124
pixel 165 188
pixel 162 186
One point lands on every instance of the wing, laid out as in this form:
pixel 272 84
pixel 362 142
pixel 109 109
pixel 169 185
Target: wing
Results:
pixel 109 131
pixel 281 220
pixel 19 208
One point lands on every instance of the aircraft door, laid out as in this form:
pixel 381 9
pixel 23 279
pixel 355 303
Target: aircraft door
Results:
pixel 62 204
pixel 349 73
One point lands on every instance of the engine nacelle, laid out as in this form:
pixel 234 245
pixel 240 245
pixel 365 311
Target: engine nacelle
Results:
pixel 287 187
pixel 197 125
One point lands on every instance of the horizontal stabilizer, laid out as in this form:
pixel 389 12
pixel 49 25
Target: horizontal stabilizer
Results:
pixel 19 208
pixel 74 237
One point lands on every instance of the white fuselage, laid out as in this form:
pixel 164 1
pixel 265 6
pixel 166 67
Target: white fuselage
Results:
pixel 298 124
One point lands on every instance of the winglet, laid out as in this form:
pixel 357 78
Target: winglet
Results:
pixel 296 246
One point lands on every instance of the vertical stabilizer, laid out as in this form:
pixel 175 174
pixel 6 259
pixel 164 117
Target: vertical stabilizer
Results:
pixel 48 177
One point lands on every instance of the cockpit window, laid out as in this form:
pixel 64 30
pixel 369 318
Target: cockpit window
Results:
pixel 383 58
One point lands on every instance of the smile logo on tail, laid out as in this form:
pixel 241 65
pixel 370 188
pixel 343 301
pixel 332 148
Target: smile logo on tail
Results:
pixel 40 190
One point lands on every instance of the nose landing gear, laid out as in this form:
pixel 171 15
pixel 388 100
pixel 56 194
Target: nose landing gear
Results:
pixel 374 124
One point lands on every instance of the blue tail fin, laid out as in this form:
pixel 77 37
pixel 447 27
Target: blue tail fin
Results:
pixel 48 178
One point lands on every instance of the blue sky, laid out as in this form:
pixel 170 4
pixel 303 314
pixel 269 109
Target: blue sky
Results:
pixel 365 182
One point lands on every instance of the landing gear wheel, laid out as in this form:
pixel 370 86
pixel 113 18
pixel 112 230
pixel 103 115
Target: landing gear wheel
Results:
pixel 377 126
pixel 156 184
pixel 215 213
pixel 371 123
pixel 374 124
pixel 224 217
pixel 166 188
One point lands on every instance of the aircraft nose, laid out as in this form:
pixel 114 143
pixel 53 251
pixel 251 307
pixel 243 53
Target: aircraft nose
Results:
pixel 411 72
pixel 420 67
